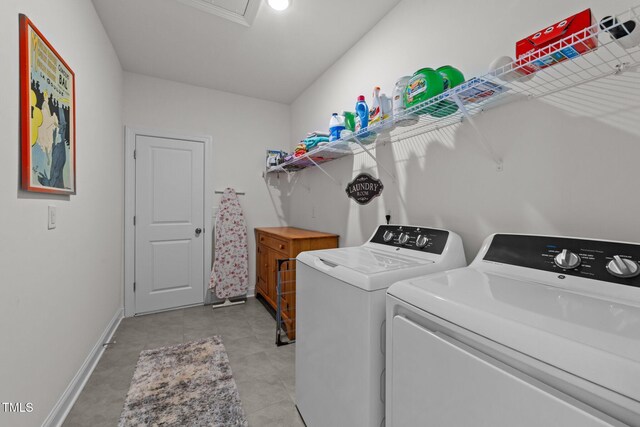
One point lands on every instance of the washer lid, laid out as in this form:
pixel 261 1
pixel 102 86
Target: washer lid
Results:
pixel 591 337
pixel 369 261
pixel 369 269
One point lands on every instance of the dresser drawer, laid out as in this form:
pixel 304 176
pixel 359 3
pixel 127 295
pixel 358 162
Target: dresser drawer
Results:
pixel 273 243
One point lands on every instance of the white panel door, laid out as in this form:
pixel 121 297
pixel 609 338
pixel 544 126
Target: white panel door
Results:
pixel 437 381
pixel 169 256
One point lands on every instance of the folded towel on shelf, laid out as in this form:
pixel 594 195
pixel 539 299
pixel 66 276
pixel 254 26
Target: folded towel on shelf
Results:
pixel 316 139
pixel 300 150
pixel 312 142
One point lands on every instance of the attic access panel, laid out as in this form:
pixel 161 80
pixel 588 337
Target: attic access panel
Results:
pixel 238 11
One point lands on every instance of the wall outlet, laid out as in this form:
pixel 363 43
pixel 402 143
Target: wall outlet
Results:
pixel 313 211
pixel 52 217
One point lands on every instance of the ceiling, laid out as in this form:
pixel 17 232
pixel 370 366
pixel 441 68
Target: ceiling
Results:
pixel 275 58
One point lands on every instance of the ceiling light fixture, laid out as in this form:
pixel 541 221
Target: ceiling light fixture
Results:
pixel 279 4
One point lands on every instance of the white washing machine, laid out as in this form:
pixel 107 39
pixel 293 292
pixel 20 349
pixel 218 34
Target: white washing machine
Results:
pixel 340 319
pixel 537 331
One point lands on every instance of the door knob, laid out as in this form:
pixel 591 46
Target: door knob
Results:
pixel 198 231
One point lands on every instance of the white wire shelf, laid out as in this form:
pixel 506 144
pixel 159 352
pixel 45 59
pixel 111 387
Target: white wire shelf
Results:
pixel 487 91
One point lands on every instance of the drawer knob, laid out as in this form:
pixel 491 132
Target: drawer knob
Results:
pixel 281 246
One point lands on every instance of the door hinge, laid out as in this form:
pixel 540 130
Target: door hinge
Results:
pixel 135 154
pixel 134 220
pixel 134 286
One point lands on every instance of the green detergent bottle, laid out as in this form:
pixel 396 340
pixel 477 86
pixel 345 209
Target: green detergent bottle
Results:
pixel 424 84
pixel 451 78
pixel 349 120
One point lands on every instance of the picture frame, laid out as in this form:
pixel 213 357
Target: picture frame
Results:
pixel 47 115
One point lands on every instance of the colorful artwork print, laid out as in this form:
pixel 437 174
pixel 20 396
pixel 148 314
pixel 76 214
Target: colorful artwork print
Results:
pixel 47 104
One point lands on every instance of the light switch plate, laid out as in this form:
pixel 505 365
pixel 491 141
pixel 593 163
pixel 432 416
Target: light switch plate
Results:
pixel 52 217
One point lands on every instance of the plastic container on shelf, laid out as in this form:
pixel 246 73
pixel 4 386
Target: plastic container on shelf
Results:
pixel 625 35
pixel 386 108
pixel 375 109
pixel 349 120
pixel 451 77
pixel 399 105
pixel 423 85
pixel 507 71
pixel 336 126
pixel 380 110
pixel 380 107
pixel 362 114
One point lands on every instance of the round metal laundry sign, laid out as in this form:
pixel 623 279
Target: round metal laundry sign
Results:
pixel 364 188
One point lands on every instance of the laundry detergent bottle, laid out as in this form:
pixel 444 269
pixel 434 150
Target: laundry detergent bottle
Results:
pixel 349 120
pixel 336 126
pixel 349 124
pixel 423 85
pixel 399 116
pixel 375 111
pixel 386 107
pixel 451 77
pixel 362 114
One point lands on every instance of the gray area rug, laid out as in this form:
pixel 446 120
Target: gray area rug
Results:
pixel 184 385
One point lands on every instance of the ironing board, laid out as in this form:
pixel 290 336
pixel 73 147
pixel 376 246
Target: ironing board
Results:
pixel 230 275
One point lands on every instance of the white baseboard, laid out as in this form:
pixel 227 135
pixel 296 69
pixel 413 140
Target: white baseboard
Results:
pixel 65 403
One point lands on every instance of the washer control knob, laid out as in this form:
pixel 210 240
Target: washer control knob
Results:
pixel 388 236
pixel 567 260
pixel 422 241
pixel 623 267
pixel 403 238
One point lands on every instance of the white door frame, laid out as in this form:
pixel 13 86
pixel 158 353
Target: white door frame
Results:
pixel 130 206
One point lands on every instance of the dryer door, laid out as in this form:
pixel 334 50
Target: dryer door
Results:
pixel 438 381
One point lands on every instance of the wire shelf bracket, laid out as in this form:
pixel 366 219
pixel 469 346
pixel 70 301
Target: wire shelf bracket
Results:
pixel 378 164
pixel 338 183
pixel 486 145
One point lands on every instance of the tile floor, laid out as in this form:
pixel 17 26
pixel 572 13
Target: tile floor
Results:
pixel 263 372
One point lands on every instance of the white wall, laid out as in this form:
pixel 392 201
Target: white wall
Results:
pixel 242 129
pixel 60 288
pixel 570 162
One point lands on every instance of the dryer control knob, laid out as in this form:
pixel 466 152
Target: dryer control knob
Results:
pixel 403 238
pixel 422 241
pixel 623 267
pixel 567 260
pixel 388 236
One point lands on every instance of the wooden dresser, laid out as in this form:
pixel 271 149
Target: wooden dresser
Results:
pixel 274 243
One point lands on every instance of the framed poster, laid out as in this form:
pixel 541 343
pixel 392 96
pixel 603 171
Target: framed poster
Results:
pixel 47 115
